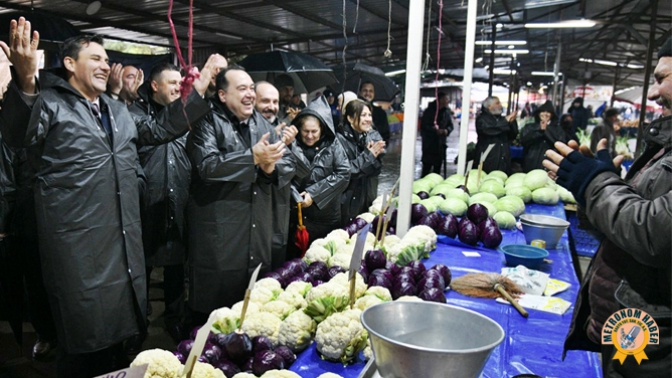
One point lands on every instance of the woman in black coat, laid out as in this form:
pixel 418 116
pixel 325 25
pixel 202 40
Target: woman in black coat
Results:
pixel 329 173
pixel 540 136
pixel 365 148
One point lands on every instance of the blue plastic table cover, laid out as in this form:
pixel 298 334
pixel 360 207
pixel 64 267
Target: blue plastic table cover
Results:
pixel 531 346
pixel 584 243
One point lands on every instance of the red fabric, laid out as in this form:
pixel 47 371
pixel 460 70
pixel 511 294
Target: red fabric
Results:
pixel 191 72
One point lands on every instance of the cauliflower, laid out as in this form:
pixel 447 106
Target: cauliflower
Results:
pixel 293 299
pixel 319 242
pixel 391 240
pixel 270 283
pixel 317 253
pixel 409 298
pixel 338 234
pixel 280 374
pixel 298 287
pixel 343 280
pixel 368 352
pixel 296 331
pixel 381 292
pixel 367 301
pixel 370 239
pixel 203 370
pixel 368 217
pixel 162 364
pixel 278 308
pixel 251 308
pixel 329 375
pixel 425 234
pixel 334 244
pixel 244 375
pixel 341 336
pixel 226 320
pixel 264 324
pixel 262 295
pixel 326 299
pixel 340 259
pixel 347 249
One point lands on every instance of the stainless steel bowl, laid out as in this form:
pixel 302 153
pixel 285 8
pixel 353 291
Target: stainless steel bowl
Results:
pixel 425 339
pixel 548 229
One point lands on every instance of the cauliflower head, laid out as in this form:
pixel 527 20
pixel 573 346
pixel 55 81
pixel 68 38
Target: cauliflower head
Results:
pixel 296 331
pixel 347 249
pixel 334 244
pixel 299 287
pixel 319 242
pixel 341 336
pixel 262 295
pixel 244 375
pixel 270 283
pixel 262 324
pixel 162 364
pixel 340 259
pixel 370 239
pixel 338 234
pixel 343 280
pixel 368 352
pixel 280 374
pixel 317 253
pixel 251 308
pixel 409 298
pixel 382 293
pixel 367 301
pixel 329 375
pixel 278 308
pixel 226 320
pixel 326 299
pixel 294 299
pixel 368 217
pixel 391 240
pixel 203 370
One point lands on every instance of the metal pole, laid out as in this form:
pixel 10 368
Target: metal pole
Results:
pixel 511 87
pixel 613 86
pixel 416 22
pixel 556 74
pixel 472 10
pixel 647 77
pixel 491 80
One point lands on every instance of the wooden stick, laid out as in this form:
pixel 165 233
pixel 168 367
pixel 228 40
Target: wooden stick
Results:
pixel 513 302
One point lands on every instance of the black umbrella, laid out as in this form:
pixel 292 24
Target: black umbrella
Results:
pixel 359 73
pixel 51 28
pixel 308 73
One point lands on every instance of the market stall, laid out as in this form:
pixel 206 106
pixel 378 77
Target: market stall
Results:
pixel 531 346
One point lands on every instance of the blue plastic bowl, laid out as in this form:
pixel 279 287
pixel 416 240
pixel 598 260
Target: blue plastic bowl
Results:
pixel 527 255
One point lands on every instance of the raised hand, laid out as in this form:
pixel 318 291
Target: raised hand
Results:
pixel 139 79
pixel 289 134
pixel 114 81
pixel 307 199
pixel 21 52
pixel 266 153
pixel 207 75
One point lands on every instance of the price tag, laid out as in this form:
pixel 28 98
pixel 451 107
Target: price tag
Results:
pixel 471 254
pixel 131 372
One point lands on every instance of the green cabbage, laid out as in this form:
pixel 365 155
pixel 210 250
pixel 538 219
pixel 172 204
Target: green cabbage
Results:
pixel 493 187
pixel 514 184
pixel 505 220
pixel 422 186
pixel 415 199
pixel 510 204
pixel 535 179
pixel 456 176
pixel 493 178
pixel 453 206
pixel 516 177
pixel 499 174
pixel 434 178
pixel 545 196
pixel 453 182
pixel 521 192
pixel 478 197
pixel 457 193
pixel 441 188
pixel 429 204
pixel 565 195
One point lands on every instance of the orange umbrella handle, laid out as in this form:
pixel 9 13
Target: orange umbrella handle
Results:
pixel 300 215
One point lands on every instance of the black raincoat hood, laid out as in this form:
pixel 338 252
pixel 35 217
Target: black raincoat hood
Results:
pixel 319 108
pixel 546 107
pixel 579 100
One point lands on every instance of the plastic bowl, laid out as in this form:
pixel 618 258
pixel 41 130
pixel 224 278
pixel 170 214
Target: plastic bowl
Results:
pixel 543 220
pixel 427 339
pixel 527 255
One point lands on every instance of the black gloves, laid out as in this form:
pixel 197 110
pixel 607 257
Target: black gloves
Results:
pixel 577 171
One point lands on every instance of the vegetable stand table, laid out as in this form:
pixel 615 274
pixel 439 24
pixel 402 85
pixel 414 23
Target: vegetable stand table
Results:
pixel 531 346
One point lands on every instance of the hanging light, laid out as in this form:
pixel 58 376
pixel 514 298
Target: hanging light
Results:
pixel 583 23
pixel 93 7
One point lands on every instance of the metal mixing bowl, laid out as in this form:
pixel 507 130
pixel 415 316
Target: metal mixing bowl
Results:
pixel 425 339
pixel 548 229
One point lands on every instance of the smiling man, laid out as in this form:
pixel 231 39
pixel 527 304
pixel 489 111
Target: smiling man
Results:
pixel 238 159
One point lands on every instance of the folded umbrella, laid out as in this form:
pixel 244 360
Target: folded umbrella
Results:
pixel 301 238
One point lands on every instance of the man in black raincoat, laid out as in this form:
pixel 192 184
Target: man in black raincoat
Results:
pixel 493 128
pixel 434 137
pixel 367 92
pixel 236 157
pixel 540 136
pixel 329 172
pixel 267 102
pixel 580 115
pixel 82 150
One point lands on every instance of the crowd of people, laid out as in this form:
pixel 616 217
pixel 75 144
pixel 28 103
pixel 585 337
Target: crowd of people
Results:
pixel 107 177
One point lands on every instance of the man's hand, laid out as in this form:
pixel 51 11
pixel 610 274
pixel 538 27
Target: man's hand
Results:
pixel 139 79
pixel 265 153
pixel 511 117
pixel 307 199
pixel 21 52
pixel 289 134
pixel 267 168
pixel 292 113
pixel 114 81
pixel 210 69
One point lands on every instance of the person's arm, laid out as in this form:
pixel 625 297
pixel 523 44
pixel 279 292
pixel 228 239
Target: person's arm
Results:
pixel 331 187
pixel 531 134
pixel 215 166
pixel 638 226
pixel 171 123
pixel 513 130
pixel 488 125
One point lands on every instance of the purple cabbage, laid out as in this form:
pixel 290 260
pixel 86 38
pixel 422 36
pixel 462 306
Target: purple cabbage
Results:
pixel 364 271
pixel 260 343
pixel 382 272
pixel 317 282
pixel 334 270
pixel 247 367
pixel 203 359
pixel 375 259
pixel 238 346
pixel 379 280
pixel 448 226
pixel 491 237
pixel 445 272
pixel 359 222
pixel 227 367
pixel 468 233
pixel 194 331
pixel 286 354
pixel 418 269
pixel 431 282
pixel 417 211
pixel 180 357
pixel 212 352
pixel 427 221
pixel 405 277
pixel 477 213
pixel 267 360
pixel 423 195
pixel 318 270
pixel 433 295
pixel 295 265
pixel 402 288
pixel 392 267
pixel 488 222
pixel 185 346
pixel 276 276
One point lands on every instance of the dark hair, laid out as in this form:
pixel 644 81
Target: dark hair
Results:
pixel 72 46
pixel 610 112
pixel 221 81
pixel 159 68
pixel 364 83
pixel 354 109
pixel 441 95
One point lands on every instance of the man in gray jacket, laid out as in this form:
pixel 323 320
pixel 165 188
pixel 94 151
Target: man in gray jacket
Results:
pixel 632 268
